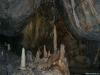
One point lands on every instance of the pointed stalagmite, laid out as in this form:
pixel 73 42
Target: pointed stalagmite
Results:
pixel 55 39
pixel 29 56
pixel 63 63
pixel 8 47
pixel 62 51
pixel 45 51
pixel 38 56
pixel 23 60
pixel 2 53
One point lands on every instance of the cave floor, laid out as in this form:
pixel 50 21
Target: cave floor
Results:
pixel 10 63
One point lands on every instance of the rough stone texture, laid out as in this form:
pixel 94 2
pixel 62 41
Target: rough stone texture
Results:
pixel 13 15
pixel 79 20
pixel 97 4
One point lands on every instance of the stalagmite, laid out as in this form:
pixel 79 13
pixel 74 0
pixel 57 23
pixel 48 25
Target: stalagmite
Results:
pixel 45 51
pixel 55 39
pixel 37 56
pixel 62 51
pixel 63 63
pixel 23 60
pixel 2 53
pixel 29 56
pixel 8 47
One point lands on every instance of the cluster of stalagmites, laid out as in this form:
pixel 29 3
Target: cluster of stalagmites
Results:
pixel 50 64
